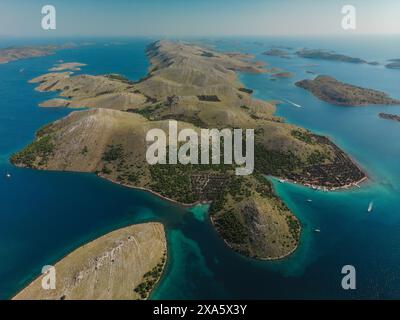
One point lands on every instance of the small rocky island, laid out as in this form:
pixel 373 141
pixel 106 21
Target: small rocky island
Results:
pixel 394 64
pixel 329 89
pixel 125 264
pixel 389 116
pixel 18 53
pixel 275 52
pixel 327 55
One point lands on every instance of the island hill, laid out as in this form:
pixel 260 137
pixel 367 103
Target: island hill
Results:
pixel 329 55
pixel 18 53
pixel 393 64
pixel 333 91
pixel 389 116
pixel 125 264
pixel 199 88
pixel 276 52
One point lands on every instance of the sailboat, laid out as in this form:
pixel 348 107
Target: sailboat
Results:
pixel 370 207
pixel 8 175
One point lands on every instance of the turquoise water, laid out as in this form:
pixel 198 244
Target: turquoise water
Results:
pixel 45 215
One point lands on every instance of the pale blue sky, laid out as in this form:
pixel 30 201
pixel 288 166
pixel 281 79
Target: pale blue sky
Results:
pixel 197 17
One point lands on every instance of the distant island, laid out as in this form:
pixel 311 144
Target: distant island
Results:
pixel 394 64
pixel 73 66
pixel 200 89
pixel 125 264
pixel 326 55
pixel 276 53
pixel 333 91
pixel 18 53
pixel 284 74
pixel 389 116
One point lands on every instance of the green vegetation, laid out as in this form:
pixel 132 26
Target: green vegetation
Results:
pixel 119 77
pixel 275 163
pixel 150 279
pixel 209 98
pixel 294 226
pixel 249 91
pixel 303 136
pixel 231 229
pixel 316 157
pixel 40 149
pixel 114 152
pixel 85 150
pixel 46 129
pixel 147 112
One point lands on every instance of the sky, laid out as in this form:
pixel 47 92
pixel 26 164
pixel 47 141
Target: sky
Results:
pixel 197 17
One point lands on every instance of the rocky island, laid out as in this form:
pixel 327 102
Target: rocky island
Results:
pixel 339 93
pixel 275 52
pixel 389 116
pixel 125 264
pixel 73 66
pixel 109 139
pixel 327 55
pixel 18 53
pixel 394 64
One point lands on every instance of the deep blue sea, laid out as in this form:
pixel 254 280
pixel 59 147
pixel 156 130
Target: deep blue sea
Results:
pixel 45 215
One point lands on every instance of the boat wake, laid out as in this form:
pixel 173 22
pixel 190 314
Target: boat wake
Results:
pixel 293 104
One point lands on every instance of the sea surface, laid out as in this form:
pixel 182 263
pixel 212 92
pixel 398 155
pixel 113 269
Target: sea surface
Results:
pixel 46 215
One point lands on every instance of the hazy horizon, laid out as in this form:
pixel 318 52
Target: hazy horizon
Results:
pixel 180 18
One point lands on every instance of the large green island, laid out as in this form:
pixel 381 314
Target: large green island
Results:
pixel 199 88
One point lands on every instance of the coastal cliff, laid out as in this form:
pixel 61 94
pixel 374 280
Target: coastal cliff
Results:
pixel 199 88
pixel 124 264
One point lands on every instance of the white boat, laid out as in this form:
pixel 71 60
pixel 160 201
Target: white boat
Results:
pixel 282 180
pixel 370 207
pixel 309 200
pixel 317 230
pixel 8 175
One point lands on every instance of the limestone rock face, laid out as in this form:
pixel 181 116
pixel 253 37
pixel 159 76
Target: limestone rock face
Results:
pixel 110 267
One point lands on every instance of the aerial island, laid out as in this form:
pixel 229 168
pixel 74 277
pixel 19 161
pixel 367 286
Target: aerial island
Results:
pixel 394 64
pixel 275 52
pixel 73 66
pixel 336 92
pixel 283 74
pixel 327 55
pixel 199 88
pixel 124 264
pixel 18 53
pixel 389 116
